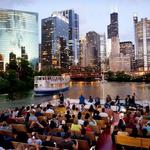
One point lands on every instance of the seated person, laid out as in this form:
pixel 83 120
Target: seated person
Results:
pixel 134 132
pixel 75 126
pixel 34 139
pixel 90 99
pixel 68 116
pixel 81 99
pixel 103 113
pixel 84 137
pixel 48 142
pixel 87 126
pixel 35 126
pixel 145 133
pixel 108 102
pixel 65 130
pixel 5 127
pixel 147 126
pixel 96 115
pixel 68 143
pixel 97 101
pixel 123 131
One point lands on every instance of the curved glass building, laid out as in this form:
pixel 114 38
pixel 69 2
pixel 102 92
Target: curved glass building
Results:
pixel 18 29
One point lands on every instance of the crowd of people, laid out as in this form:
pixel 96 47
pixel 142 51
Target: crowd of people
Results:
pixel 69 118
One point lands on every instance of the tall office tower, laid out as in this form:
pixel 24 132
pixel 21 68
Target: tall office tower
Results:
pixel 102 54
pixel 18 28
pixel 53 28
pixel 113 30
pixel 127 49
pixel 24 55
pixel 83 53
pixel 102 47
pixel 117 61
pixel 142 43
pixel 93 48
pixel 113 34
pixel 135 20
pixel 73 34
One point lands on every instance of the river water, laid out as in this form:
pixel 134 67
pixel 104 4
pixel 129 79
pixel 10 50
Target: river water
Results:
pixel 94 89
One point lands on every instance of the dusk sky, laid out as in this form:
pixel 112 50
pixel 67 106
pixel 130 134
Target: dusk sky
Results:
pixel 94 14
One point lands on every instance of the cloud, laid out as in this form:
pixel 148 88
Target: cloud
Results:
pixel 13 3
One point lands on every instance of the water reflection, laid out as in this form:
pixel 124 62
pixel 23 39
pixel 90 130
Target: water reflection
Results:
pixel 94 89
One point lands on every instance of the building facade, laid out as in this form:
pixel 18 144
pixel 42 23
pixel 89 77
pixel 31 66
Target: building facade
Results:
pixel 83 53
pixel 127 48
pixel 112 28
pixel 118 60
pixel 73 37
pixel 17 29
pixel 54 31
pixel 93 48
pixel 142 43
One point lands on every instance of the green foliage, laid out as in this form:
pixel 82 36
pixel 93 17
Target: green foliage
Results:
pixel 18 77
pixel 49 71
pixel 120 76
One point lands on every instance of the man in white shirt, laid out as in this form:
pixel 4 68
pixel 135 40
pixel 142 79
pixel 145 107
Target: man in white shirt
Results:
pixel 103 113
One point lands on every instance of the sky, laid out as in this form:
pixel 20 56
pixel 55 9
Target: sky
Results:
pixel 94 14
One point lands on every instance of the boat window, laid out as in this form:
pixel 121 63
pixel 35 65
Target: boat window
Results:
pixel 35 85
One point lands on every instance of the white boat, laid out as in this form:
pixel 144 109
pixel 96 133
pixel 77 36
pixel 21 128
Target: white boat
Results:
pixel 48 85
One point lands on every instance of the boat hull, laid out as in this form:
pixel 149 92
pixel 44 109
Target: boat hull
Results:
pixel 49 92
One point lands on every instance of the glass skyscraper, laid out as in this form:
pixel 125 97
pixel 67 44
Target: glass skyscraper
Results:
pixel 73 34
pixel 142 43
pixel 18 29
pixel 54 39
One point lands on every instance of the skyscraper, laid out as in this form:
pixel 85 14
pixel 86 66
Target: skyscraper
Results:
pixel 112 28
pixel 73 34
pixel 83 52
pixel 142 43
pixel 117 61
pixel 102 54
pixel 113 34
pixel 17 29
pixel 54 34
pixel 93 48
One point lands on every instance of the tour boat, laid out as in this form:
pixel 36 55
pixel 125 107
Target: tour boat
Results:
pixel 48 85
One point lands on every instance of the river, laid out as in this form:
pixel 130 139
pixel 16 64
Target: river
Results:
pixel 94 89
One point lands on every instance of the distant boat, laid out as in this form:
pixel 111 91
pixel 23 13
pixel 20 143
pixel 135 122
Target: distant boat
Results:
pixel 48 85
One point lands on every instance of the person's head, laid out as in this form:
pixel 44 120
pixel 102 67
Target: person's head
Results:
pixel 68 112
pixel 85 124
pixel 87 115
pixel 73 107
pixel 144 132
pixel 16 109
pixel 48 106
pixel 79 115
pixel 96 112
pixel 103 109
pixel 75 121
pixel 52 124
